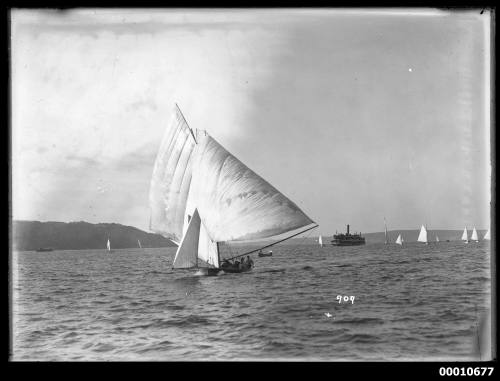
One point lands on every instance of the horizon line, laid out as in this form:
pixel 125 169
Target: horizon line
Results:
pixel 148 231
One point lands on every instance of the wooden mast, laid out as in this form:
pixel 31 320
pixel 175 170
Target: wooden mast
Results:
pixel 187 124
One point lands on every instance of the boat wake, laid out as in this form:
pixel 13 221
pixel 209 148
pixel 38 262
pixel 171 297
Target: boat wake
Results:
pixel 205 272
pixel 273 271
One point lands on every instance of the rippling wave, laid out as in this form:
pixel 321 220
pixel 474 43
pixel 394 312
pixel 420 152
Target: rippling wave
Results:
pixel 411 303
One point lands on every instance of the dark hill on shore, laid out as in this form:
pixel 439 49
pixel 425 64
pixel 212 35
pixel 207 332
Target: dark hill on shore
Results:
pixel 31 235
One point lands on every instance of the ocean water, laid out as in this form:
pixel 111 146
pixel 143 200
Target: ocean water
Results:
pixel 417 302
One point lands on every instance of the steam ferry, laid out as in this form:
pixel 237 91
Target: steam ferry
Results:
pixel 348 239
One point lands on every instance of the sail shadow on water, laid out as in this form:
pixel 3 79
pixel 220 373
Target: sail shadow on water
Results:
pixel 203 198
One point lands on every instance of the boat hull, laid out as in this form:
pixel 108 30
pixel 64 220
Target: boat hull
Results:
pixel 266 255
pixel 234 269
pixel 348 243
pixel 208 271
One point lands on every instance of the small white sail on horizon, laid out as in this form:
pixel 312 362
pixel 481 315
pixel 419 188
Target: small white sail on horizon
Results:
pixel 108 245
pixel 465 235
pixel 399 240
pixel 386 236
pixel 474 236
pixel 422 237
pixel 487 235
pixel 139 242
pixel 202 196
pixel 320 241
pixel 437 239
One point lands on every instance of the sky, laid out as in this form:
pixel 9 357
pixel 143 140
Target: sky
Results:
pixel 353 114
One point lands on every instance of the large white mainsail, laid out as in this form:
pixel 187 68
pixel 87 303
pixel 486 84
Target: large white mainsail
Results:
pixel 202 195
pixel 236 204
pixel 487 235
pixel 437 239
pixel 422 237
pixel 474 236
pixel 465 235
pixel 320 241
pixel 108 245
pixel 171 179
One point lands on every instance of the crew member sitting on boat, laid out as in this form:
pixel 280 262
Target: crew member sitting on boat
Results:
pixel 249 261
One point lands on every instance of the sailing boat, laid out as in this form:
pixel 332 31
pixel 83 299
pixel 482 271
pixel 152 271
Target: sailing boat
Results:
pixel 437 239
pixel 422 237
pixel 465 237
pixel 108 246
pixel 487 235
pixel 399 240
pixel 202 198
pixel 386 237
pixel 320 241
pixel 139 242
pixel 474 236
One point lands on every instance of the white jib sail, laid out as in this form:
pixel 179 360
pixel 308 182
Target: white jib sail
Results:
pixel 474 236
pixel 187 252
pixel 233 201
pixel 487 235
pixel 399 241
pixel 386 238
pixel 422 237
pixel 465 235
pixel 207 249
pixel 108 245
pixel 171 179
pixel 320 240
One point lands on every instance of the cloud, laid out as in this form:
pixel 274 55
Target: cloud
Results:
pixel 80 161
pixel 140 160
pixel 149 104
pixel 120 22
pixel 293 94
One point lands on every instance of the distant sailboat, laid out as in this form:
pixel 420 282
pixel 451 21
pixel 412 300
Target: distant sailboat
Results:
pixel 465 236
pixel 139 242
pixel 320 241
pixel 202 198
pixel 422 237
pixel 108 246
pixel 437 239
pixel 399 241
pixel 487 235
pixel 386 235
pixel 474 236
